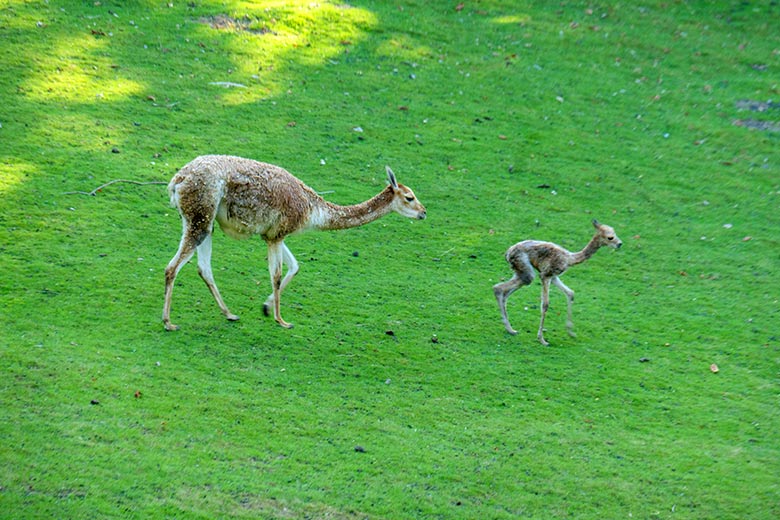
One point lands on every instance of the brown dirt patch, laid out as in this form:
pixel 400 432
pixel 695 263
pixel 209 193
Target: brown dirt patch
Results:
pixel 223 22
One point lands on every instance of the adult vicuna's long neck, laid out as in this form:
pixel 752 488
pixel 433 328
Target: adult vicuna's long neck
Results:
pixel 587 252
pixel 334 216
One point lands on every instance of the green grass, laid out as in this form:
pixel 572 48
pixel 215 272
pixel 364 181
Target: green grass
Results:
pixel 510 120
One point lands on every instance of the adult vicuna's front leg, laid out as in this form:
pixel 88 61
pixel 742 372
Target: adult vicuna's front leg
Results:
pixel 569 303
pixel 275 262
pixel 292 269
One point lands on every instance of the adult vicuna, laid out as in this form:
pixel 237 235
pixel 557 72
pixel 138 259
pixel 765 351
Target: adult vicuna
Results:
pixel 248 198
pixel 550 261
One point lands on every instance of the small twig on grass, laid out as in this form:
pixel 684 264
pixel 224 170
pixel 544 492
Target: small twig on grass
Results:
pixel 109 183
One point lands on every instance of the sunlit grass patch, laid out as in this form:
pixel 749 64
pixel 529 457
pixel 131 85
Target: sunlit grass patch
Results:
pixel 272 38
pixel 519 19
pixel 14 172
pixel 75 72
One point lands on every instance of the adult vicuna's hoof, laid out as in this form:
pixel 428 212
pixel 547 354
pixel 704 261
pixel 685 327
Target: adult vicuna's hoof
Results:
pixel 284 324
pixel 170 327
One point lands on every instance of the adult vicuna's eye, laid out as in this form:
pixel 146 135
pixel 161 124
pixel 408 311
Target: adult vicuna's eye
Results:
pixel 409 198
pixel 610 238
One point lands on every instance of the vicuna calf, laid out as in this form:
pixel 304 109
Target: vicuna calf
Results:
pixel 550 261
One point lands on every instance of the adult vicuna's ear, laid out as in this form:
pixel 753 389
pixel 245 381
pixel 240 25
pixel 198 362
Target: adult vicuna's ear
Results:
pixel 596 223
pixel 391 177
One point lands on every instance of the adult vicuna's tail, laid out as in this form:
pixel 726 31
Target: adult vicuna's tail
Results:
pixel 199 181
pixel 172 192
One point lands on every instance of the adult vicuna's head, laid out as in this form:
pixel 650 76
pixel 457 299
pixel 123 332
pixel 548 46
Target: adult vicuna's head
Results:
pixel 404 201
pixel 606 235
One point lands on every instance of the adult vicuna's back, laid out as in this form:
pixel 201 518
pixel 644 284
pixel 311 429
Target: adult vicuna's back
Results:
pixel 249 198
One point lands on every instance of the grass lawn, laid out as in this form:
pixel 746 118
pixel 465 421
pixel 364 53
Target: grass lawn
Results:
pixel 398 393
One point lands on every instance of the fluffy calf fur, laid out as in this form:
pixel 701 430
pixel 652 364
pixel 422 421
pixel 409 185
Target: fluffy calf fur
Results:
pixel 550 261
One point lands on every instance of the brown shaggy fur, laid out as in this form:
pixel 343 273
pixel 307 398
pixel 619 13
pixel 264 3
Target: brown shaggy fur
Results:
pixel 249 198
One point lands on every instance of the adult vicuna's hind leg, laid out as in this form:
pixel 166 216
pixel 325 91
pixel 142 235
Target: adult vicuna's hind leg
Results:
pixel 186 250
pixel 204 269
pixel 197 198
